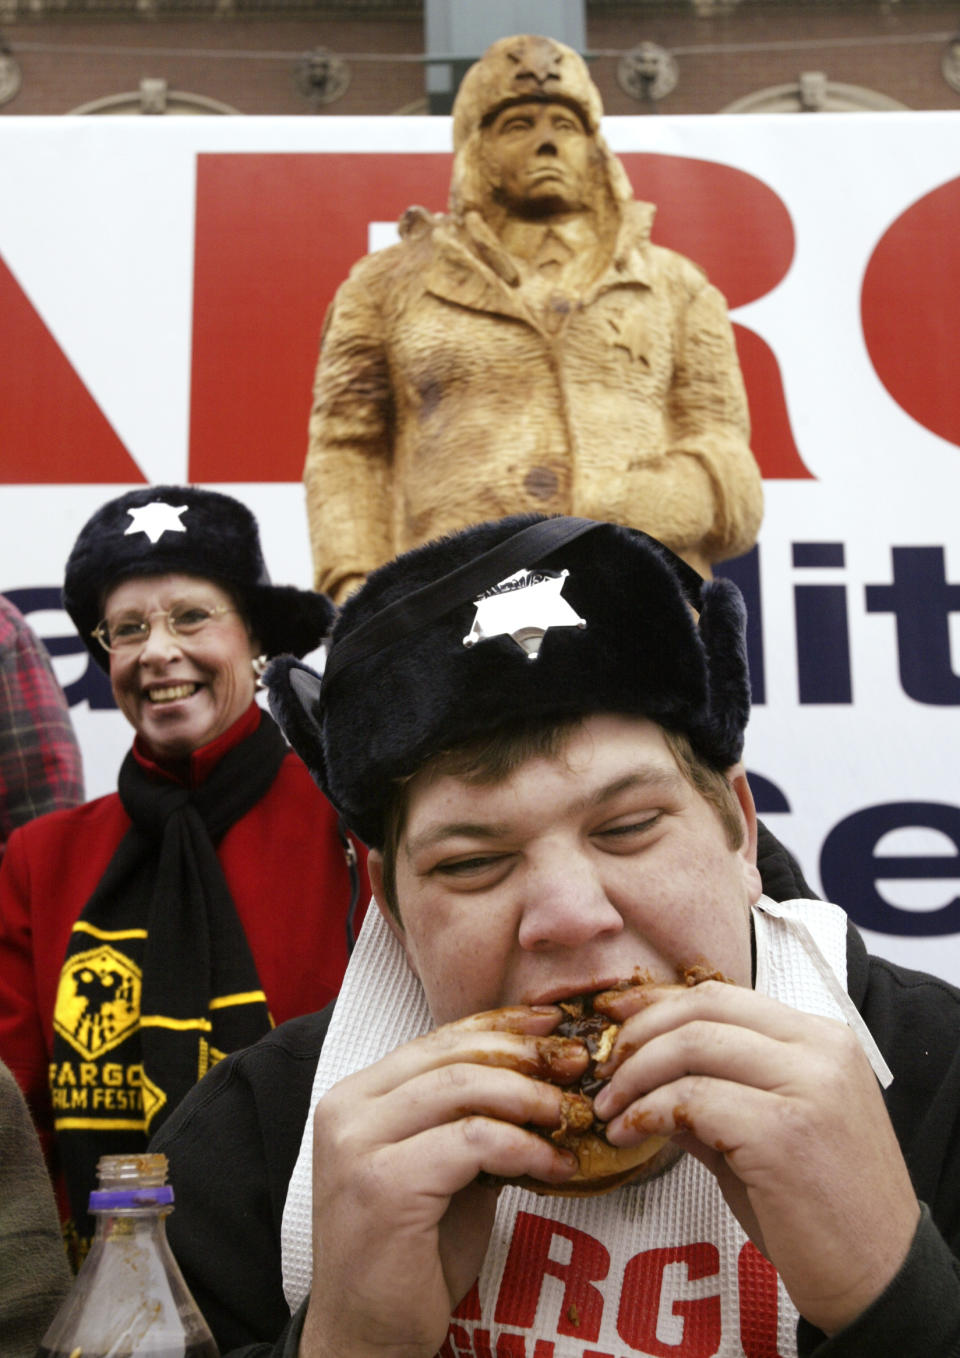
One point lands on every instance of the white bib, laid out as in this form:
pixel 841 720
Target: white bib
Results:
pixel 658 1269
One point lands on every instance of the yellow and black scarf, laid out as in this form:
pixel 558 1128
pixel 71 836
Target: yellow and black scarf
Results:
pixel 158 981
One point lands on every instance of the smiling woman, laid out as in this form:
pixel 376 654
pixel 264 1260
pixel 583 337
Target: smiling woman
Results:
pixel 146 934
pixel 181 659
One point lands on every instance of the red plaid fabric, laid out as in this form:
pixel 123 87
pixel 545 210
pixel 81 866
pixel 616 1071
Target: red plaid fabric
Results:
pixel 40 767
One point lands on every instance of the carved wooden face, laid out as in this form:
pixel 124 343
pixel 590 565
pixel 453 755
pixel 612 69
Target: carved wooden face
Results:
pixel 539 157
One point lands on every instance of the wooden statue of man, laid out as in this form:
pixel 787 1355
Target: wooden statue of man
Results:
pixel 530 351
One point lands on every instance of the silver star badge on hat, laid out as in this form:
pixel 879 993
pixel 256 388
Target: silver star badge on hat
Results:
pixel 524 607
pixel 155 519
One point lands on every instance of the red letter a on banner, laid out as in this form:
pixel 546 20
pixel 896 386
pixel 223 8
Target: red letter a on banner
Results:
pixel 52 430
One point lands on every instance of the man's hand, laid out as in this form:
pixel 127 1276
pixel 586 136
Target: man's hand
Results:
pixel 401 1221
pixel 785 1110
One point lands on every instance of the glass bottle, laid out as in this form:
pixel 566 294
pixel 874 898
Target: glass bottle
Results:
pixel 129 1299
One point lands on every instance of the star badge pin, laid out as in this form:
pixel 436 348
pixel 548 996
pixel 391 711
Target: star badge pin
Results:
pixel 524 607
pixel 155 519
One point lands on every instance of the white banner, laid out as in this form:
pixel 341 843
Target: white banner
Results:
pixel 162 287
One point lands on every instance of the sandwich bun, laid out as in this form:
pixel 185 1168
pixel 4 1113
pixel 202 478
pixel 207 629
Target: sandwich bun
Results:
pixel 601 1166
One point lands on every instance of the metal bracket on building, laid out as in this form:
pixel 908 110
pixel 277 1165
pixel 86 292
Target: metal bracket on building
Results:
pixel 153 95
pixel 813 87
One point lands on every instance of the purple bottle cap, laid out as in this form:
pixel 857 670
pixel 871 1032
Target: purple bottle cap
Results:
pixel 109 1199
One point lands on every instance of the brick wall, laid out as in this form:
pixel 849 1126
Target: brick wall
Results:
pixel 250 62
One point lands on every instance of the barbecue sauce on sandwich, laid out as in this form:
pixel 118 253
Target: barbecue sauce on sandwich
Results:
pixel 603 1166
pixel 598 1034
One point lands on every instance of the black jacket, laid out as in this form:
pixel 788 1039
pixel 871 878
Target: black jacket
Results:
pixel 234 1140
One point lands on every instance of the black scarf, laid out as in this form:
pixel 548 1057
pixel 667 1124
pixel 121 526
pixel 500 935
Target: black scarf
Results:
pixel 158 981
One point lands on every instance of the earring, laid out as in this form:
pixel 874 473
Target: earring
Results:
pixel 259 663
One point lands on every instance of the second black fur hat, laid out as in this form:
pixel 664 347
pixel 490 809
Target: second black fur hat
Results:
pixel 187 530
pixel 525 617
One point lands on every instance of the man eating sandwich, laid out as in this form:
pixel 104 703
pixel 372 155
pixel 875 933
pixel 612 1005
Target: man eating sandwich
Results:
pixel 537 725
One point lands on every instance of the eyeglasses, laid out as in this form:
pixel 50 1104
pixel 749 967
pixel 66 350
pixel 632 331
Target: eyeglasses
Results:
pixel 131 630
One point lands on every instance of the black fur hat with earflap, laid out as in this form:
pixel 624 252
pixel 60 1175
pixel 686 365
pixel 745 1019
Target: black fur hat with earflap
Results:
pixel 185 530
pixel 525 617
